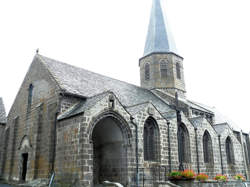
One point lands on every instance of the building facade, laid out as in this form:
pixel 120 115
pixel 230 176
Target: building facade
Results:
pixel 87 128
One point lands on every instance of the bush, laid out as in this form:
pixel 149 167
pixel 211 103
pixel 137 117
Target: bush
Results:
pixel 175 175
pixel 239 177
pixel 188 174
pixel 220 177
pixel 202 177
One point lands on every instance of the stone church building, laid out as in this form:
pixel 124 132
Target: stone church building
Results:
pixel 87 128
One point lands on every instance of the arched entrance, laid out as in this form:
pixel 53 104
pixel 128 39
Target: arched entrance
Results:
pixel 24 148
pixel 109 151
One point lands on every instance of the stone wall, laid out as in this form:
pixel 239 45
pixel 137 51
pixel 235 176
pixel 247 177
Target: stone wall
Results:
pixel 35 124
pixel 171 82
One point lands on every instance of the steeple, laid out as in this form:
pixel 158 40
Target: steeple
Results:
pixel 161 67
pixel 159 37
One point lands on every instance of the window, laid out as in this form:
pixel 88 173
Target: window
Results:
pixel 147 71
pixel 151 140
pixel 111 102
pixel 229 151
pixel 207 148
pixel 163 68
pixel 178 70
pixel 183 144
pixel 30 97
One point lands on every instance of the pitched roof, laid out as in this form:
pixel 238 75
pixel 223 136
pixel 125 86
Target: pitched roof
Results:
pixel 87 84
pixel 3 118
pixel 196 121
pixel 82 106
pixel 159 37
pixel 220 128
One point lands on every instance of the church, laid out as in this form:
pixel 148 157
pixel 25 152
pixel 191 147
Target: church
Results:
pixel 86 128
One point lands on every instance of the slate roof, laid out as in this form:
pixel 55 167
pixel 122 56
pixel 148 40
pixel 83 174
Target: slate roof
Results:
pixel 87 84
pixel 3 118
pixel 82 106
pixel 219 128
pixel 137 108
pixel 196 121
pixel 159 37
pixel 219 118
pixel 199 106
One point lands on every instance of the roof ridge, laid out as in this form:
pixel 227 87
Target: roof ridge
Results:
pixel 42 56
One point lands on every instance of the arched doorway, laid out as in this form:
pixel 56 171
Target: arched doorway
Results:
pixel 109 151
pixel 25 149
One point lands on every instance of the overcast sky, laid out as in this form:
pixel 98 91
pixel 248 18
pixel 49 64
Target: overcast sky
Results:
pixel 108 37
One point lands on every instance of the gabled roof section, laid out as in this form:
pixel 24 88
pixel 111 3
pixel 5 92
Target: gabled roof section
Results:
pixel 197 121
pixel 87 84
pixel 82 106
pixel 220 128
pixel 159 37
pixel 3 118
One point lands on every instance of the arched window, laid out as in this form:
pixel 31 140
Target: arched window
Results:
pixel 30 96
pixel 229 151
pixel 183 144
pixel 147 71
pixel 151 140
pixel 163 68
pixel 207 148
pixel 178 70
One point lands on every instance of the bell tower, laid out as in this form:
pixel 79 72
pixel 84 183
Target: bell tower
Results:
pixel 161 67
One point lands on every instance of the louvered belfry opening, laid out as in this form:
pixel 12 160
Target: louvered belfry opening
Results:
pixel 151 140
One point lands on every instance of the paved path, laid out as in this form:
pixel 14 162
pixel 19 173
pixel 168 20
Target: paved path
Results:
pixel 6 185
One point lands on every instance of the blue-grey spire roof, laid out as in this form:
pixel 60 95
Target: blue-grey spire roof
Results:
pixel 159 38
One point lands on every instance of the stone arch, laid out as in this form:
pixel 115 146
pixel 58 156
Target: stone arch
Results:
pixel 109 134
pixel 25 143
pixel 207 147
pixel 183 144
pixel 122 123
pixel 151 140
pixel 229 150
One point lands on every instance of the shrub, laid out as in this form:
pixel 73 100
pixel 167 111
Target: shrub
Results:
pixel 220 177
pixel 175 175
pixel 202 177
pixel 239 177
pixel 188 174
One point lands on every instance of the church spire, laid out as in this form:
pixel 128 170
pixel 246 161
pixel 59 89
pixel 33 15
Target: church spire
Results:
pixel 159 38
pixel 161 67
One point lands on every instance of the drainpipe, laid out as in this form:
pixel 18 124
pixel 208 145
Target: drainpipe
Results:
pixel 222 170
pixel 169 148
pixel 136 150
pixel 197 151
pixel 55 134
pixel 54 145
